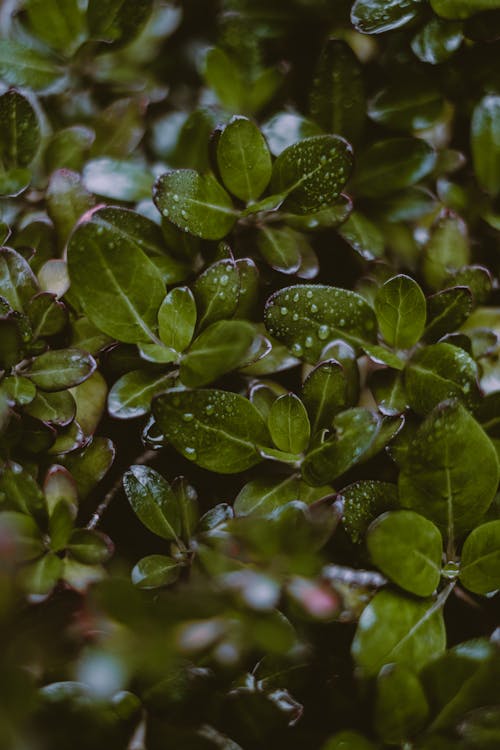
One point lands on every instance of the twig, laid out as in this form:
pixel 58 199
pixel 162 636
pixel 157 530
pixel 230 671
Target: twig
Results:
pixel 144 458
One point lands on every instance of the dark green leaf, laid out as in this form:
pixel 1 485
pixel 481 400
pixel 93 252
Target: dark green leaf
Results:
pixel 407 548
pixel 324 393
pixel 480 564
pixel 439 372
pixel 485 143
pixel 17 281
pixel 90 547
pixel 61 25
pixel 363 236
pixel 90 465
pixel 281 248
pixel 377 16
pixel 153 501
pixel 220 348
pixel 21 65
pixel 121 298
pixel 287 128
pixel 446 251
pixel 195 203
pixel 264 496
pixel 223 76
pixel 390 165
pixel 414 103
pixel 337 99
pixel 312 172
pixel 67 201
pixel 177 319
pixel 348 740
pixel 60 369
pixel 218 430
pixel 41 576
pixel 216 292
pixel 68 147
pixel 56 408
pixel 154 571
pixel 413 635
pixel 462 8
pixel 450 471
pixel 363 501
pixel 401 707
pixel 401 311
pixel 19 130
pixel 117 22
pixel 118 179
pixel 289 424
pixel 437 41
pixel 446 311
pixel 389 392
pixel 307 317
pixel 132 394
pixel 243 159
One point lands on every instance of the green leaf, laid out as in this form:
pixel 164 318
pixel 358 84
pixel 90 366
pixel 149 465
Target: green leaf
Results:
pixel 446 251
pixel 19 130
pixel 363 236
pixel 20 491
pixel 289 424
pixel 281 248
pixel 195 203
pixel 23 532
pixel 306 317
pixel 17 281
pixel 447 311
pixel 216 292
pixel 219 430
pixel 243 159
pixel 388 166
pixel 450 471
pixel 325 393
pixel 439 372
pixel 47 315
pixel 90 547
pixel 480 564
pixel 177 318
pixel 132 394
pixel 401 707
pixel 363 501
pixel 68 147
pixel 223 76
pixel 485 142
pixel 462 8
pixel 18 389
pixel 61 25
pixel 41 576
pixel 60 369
pixel 388 389
pixel 407 548
pixel 378 16
pixel 153 501
pixel 413 633
pixel 154 571
pixel 89 465
pixel 25 66
pixel 437 41
pixel 55 408
pixel 67 201
pixel 414 103
pixel 337 99
pixel 355 431
pixel 120 298
pixel 117 22
pixel 14 181
pixel 220 348
pixel 264 496
pixel 312 172
pixel 401 311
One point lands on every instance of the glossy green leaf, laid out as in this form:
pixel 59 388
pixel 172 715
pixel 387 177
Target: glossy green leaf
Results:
pixel 446 311
pixel 153 501
pixel 306 317
pixel 414 103
pixel 55 408
pixel 407 548
pixel 224 78
pixel 61 25
pixel 177 319
pixel 325 393
pixel 60 369
pixel 312 172
pixel 20 130
pixel 363 236
pixel 363 501
pixel 216 292
pixel 281 248
pixel 390 165
pixel 264 496
pixel 450 471
pixel 154 571
pixel 413 635
pixel 378 16
pixel 121 298
pixel 480 563
pixel 195 203
pixel 337 99
pixel 401 311
pixel 401 707
pixel 17 281
pixel 437 41
pixel 218 430
pixel 286 128
pixel 289 424
pixel 90 547
pixel 485 143
pixel 47 315
pixel 41 576
pixel 388 389
pixel 25 66
pixel 220 348
pixel 117 22
pixel 90 465
pixel 439 372
pixel 243 159
pixel 132 394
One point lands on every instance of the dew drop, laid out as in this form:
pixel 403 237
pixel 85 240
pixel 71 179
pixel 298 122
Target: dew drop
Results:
pixel 314 308
pixel 309 294
pixel 284 310
pixel 295 316
pixel 323 332
pixel 209 409
pixel 175 197
pixel 224 279
pixel 188 416
pixel 296 297
pixel 297 349
pixel 308 342
pixel 190 453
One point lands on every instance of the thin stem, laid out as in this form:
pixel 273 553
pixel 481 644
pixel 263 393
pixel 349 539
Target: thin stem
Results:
pixel 143 459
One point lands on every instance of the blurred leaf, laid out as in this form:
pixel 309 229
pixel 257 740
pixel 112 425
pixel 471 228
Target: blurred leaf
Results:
pixel 480 563
pixel 485 139
pixel 25 66
pixel 401 707
pixel 387 166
